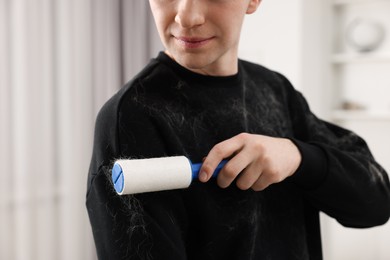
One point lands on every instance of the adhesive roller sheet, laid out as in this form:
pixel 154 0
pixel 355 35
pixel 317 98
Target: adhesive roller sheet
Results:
pixel 155 174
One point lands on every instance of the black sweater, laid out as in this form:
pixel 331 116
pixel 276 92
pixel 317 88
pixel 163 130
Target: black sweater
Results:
pixel 168 110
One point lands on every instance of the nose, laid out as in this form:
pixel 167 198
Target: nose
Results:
pixel 190 13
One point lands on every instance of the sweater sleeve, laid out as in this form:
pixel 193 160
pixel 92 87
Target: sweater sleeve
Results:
pixel 338 173
pixel 143 226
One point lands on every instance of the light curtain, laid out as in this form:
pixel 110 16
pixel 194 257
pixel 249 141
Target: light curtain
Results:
pixel 60 60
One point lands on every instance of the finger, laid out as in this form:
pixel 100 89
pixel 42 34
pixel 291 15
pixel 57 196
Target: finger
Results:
pixel 232 169
pixel 219 152
pixel 261 184
pixel 249 176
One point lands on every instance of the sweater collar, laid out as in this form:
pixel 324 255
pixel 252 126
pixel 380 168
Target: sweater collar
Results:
pixel 200 79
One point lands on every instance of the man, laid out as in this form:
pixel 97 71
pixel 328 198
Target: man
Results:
pixel 199 100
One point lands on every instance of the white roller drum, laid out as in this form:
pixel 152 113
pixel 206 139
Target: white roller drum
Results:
pixel 149 175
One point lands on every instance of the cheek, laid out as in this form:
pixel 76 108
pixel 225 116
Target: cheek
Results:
pixel 231 21
pixel 163 19
pixel 231 29
pixel 160 24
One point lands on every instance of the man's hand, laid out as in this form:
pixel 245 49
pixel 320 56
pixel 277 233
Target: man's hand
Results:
pixel 257 161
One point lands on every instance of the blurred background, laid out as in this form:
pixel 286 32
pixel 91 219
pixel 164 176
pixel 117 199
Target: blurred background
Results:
pixel 60 60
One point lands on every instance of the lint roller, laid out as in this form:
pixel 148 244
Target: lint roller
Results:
pixel 155 174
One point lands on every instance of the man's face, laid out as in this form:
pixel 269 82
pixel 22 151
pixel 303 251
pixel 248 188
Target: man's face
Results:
pixel 202 35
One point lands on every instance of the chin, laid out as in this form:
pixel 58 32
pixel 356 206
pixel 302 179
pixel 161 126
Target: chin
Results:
pixel 194 61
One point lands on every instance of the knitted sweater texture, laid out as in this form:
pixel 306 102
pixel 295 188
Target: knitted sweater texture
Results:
pixel 167 110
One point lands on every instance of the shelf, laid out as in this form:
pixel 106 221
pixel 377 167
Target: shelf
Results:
pixel 360 58
pixel 351 2
pixel 344 115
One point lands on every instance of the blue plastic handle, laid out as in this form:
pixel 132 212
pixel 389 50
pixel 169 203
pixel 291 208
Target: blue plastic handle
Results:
pixel 196 168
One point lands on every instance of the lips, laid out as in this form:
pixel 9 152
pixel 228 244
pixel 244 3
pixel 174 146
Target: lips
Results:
pixel 193 42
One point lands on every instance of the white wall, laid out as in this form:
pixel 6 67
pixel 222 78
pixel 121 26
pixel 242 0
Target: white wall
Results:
pixel 285 36
pixel 272 36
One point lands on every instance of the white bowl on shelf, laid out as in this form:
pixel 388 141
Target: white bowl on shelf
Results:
pixel 364 35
